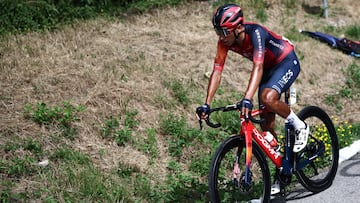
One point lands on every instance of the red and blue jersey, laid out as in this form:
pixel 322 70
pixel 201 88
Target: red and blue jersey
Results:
pixel 260 45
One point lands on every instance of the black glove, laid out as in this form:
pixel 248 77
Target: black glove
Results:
pixel 205 108
pixel 243 105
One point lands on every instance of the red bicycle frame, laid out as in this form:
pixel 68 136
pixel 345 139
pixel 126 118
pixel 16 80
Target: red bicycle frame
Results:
pixel 251 133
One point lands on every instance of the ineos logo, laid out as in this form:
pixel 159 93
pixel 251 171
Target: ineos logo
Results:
pixel 285 79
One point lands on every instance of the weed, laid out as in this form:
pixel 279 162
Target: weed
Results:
pixel 351 88
pixel 130 120
pixel 330 99
pixel 60 117
pixel 84 183
pixel 229 121
pixel 261 15
pixel 355 131
pixel 149 145
pixel 200 163
pixel 179 91
pixel 180 135
pixel 124 170
pixel 353 78
pixel 11 146
pixel 120 128
pixel 34 147
pixel 69 155
pixel 18 167
pixel 109 128
pixel 294 35
pixel 182 186
pixel 290 3
pixel 142 186
pixel 123 136
pixel 353 31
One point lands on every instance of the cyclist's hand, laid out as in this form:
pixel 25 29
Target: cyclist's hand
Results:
pixel 246 107
pixel 202 112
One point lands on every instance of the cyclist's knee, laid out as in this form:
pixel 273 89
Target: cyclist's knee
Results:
pixel 269 97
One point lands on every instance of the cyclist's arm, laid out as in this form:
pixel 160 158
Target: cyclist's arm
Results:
pixel 255 78
pixel 258 41
pixel 214 83
pixel 215 77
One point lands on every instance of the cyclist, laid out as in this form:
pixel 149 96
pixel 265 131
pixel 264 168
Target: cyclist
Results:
pixel 275 68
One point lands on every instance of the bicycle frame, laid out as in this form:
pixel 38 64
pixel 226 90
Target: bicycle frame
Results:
pixel 286 163
pixel 249 131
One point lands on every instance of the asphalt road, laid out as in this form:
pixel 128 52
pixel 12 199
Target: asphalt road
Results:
pixel 345 188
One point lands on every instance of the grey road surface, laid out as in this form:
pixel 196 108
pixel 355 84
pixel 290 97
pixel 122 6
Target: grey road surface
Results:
pixel 345 188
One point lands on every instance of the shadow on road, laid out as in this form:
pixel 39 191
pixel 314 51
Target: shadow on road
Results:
pixel 348 172
pixel 296 193
pixel 347 169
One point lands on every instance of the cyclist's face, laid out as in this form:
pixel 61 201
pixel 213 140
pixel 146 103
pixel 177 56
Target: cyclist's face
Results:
pixel 228 39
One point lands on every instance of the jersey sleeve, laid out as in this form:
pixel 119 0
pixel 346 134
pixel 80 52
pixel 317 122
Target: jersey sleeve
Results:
pixel 220 57
pixel 258 40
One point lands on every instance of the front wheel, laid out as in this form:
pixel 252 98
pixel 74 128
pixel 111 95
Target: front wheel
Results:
pixel 224 187
pixel 320 173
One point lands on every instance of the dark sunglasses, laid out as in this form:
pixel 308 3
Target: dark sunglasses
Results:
pixel 222 31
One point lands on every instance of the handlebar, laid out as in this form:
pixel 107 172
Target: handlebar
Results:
pixel 227 108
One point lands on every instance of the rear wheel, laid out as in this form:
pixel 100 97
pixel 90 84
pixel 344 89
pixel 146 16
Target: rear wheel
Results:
pixel 224 187
pixel 318 175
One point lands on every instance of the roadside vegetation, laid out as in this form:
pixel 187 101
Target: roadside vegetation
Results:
pixel 49 166
pixel 22 16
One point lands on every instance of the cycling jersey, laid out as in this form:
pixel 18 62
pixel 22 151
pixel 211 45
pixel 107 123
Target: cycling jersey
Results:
pixel 260 45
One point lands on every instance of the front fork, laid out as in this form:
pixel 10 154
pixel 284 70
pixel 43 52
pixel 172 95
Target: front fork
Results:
pixel 247 172
pixel 245 179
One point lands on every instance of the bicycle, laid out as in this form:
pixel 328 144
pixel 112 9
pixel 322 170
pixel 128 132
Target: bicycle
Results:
pixel 315 167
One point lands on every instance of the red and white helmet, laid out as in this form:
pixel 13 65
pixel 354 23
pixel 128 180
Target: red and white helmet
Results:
pixel 227 18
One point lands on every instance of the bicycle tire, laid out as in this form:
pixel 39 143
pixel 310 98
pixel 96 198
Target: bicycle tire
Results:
pixel 221 185
pixel 319 175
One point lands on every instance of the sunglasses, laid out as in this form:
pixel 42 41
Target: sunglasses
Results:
pixel 222 31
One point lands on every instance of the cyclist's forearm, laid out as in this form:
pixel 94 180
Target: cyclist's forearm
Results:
pixel 214 83
pixel 254 81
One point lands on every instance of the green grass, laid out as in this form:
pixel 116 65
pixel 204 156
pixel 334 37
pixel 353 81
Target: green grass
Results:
pixel 353 32
pixel 23 16
pixel 62 118
pixel 71 175
pixel 350 90
pixel 120 128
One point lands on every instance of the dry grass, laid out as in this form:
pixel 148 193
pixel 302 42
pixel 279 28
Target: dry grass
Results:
pixel 112 66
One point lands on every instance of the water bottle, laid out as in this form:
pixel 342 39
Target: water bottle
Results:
pixel 271 139
pixel 292 95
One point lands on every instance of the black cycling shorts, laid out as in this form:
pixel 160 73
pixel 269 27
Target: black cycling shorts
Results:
pixel 281 76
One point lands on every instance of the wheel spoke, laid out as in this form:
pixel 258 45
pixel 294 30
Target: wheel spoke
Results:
pixel 225 187
pixel 322 150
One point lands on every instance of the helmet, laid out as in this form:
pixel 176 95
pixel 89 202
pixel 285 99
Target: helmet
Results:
pixel 227 18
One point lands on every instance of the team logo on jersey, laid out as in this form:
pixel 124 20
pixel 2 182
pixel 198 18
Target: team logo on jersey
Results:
pixel 285 79
pixel 276 44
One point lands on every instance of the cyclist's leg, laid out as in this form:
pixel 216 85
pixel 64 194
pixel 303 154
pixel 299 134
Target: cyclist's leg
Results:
pixel 270 90
pixel 278 80
pixel 269 122
pixel 269 117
